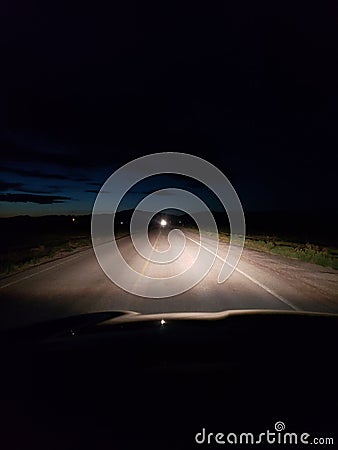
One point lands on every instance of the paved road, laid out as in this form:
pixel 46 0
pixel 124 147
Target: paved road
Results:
pixel 76 284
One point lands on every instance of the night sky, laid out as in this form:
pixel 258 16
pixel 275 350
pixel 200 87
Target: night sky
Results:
pixel 85 87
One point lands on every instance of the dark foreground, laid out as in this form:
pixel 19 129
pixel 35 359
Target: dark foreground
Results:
pixel 161 382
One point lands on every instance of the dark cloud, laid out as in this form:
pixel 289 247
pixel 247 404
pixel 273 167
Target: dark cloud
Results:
pixel 40 174
pixel 57 150
pixel 21 187
pixel 33 173
pixel 22 148
pixel 9 186
pixel 32 198
pixel 16 147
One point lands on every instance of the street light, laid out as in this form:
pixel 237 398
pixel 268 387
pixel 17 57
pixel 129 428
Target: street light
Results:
pixel 163 223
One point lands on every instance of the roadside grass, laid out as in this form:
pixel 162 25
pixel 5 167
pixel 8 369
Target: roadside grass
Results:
pixel 48 248
pixel 316 254
pixel 23 257
pixel 309 252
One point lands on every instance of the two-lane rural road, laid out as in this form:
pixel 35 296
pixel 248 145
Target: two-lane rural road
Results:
pixel 76 284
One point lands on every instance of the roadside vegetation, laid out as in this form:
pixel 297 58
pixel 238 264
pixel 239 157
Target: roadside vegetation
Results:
pixel 26 242
pixel 51 249
pixel 314 253
pixel 19 258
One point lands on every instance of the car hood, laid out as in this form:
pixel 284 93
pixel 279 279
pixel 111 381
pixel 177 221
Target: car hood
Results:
pixel 108 321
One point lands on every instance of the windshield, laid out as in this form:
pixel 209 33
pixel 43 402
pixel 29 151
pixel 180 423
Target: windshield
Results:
pixel 156 161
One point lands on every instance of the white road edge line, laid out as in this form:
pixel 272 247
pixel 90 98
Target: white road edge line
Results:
pixel 36 273
pixel 261 285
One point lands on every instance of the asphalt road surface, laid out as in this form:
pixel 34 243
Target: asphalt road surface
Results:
pixel 76 284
